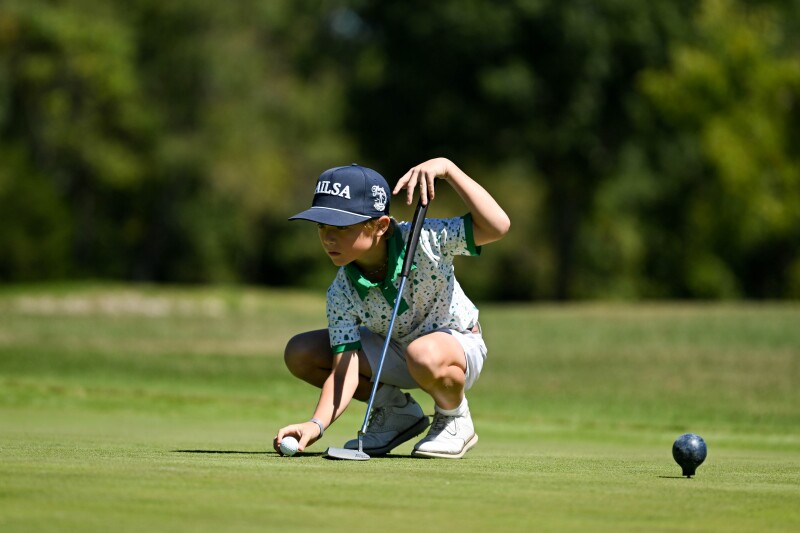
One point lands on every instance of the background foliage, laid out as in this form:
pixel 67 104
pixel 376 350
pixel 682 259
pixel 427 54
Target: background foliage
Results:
pixel 642 149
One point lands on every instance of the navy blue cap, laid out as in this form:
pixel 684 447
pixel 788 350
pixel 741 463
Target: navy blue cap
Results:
pixel 347 195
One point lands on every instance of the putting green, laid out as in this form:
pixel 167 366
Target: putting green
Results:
pixel 142 408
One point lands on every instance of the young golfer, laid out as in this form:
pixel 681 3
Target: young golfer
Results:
pixel 436 344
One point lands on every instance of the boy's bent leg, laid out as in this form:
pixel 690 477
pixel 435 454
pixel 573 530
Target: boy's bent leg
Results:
pixel 439 364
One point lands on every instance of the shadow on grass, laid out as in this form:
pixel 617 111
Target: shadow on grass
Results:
pixel 239 452
pixel 223 452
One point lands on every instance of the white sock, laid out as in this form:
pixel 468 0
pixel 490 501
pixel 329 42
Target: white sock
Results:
pixel 458 411
pixel 389 395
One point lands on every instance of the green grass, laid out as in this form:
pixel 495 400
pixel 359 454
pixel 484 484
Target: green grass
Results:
pixel 141 408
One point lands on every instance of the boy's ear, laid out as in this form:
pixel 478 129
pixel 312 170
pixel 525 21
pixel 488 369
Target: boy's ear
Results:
pixel 383 225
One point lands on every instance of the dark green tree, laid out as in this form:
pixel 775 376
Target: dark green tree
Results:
pixel 73 139
pixel 730 96
pixel 536 97
pixel 159 141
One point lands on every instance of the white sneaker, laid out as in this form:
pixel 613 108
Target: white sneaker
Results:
pixel 390 426
pixel 450 437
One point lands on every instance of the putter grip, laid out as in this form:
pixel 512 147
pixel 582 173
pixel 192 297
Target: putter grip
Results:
pixel 413 237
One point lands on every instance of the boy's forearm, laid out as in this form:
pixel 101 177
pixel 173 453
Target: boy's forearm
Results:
pixel 490 221
pixel 338 389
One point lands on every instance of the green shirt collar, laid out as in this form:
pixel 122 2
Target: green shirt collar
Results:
pixel 396 252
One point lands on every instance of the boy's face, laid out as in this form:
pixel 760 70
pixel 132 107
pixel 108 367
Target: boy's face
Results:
pixel 345 244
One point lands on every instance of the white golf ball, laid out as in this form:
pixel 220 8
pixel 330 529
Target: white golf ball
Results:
pixel 289 445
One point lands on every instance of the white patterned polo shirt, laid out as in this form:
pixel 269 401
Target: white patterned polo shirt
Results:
pixel 432 298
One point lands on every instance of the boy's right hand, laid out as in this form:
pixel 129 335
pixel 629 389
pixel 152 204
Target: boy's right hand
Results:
pixel 306 433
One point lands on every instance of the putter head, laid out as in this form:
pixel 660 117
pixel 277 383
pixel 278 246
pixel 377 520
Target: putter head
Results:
pixel 347 454
pixel 344 453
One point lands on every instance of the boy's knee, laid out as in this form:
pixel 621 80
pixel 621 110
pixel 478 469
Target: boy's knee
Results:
pixel 293 351
pixel 435 355
pixel 296 345
pixel 304 351
pixel 423 354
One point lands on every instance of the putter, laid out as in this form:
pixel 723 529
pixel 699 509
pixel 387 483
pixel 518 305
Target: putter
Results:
pixel 411 248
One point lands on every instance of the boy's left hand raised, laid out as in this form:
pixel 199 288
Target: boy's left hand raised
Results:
pixel 422 176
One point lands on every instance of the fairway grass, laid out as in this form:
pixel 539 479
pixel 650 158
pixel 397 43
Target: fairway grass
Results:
pixel 141 408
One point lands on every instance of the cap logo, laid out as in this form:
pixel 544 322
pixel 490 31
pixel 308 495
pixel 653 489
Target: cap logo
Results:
pixel 380 197
pixel 335 189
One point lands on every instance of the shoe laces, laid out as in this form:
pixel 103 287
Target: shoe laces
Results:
pixel 377 417
pixel 440 422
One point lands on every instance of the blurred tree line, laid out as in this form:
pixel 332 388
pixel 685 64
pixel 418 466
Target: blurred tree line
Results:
pixel 642 149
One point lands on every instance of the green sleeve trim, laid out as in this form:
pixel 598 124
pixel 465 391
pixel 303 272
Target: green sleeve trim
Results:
pixel 473 250
pixel 346 347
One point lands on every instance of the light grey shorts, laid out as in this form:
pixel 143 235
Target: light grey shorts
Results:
pixel 395 370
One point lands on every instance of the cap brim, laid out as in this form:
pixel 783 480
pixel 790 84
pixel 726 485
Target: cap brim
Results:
pixel 330 216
